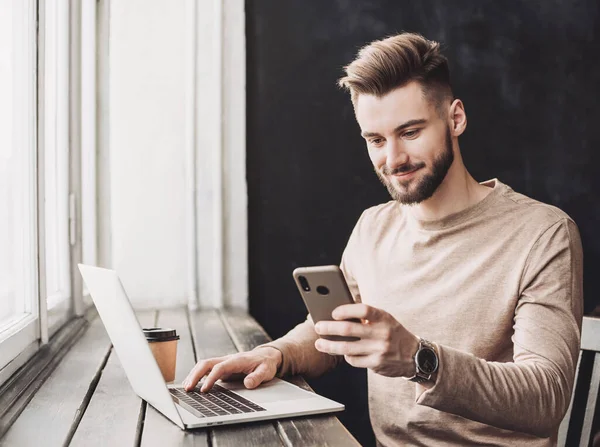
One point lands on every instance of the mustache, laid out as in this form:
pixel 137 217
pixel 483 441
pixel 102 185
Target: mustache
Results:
pixel 401 169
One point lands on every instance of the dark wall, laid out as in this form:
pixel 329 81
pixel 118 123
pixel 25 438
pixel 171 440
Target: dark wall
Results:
pixel 527 71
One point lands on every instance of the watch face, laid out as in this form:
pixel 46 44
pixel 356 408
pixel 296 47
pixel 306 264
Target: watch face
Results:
pixel 427 361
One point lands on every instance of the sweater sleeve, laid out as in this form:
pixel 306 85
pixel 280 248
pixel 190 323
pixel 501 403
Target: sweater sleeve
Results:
pixel 532 393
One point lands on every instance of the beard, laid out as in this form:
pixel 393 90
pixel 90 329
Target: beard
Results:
pixel 422 189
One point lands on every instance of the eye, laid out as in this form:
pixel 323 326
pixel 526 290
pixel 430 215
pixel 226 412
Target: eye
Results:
pixel 376 142
pixel 411 134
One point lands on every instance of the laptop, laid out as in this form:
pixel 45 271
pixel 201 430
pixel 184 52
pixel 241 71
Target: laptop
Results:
pixel 226 403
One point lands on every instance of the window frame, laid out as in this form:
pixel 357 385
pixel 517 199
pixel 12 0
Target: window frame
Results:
pixel 21 333
pixel 55 119
pixel 89 159
pixel 21 341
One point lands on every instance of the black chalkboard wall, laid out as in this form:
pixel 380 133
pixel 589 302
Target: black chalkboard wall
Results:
pixel 527 71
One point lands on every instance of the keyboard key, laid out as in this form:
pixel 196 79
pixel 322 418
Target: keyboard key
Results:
pixel 222 403
pixel 218 401
pixel 201 409
pixel 239 398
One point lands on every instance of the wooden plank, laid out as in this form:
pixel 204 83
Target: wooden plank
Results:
pixel 324 430
pixel 211 339
pixel 62 399
pixel 245 332
pixel 590 334
pixel 592 400
pixel 257 434
pixel 112 415
pixel 158 430
pixel 18 391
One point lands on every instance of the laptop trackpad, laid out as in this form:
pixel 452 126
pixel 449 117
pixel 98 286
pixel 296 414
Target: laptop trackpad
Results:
pixel 272 391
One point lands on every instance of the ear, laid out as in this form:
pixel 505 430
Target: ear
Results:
pixel 457 118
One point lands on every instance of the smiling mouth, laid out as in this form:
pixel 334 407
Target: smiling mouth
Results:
pixel 405 174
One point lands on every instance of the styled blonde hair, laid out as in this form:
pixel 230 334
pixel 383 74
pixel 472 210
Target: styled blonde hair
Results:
pixel 384 65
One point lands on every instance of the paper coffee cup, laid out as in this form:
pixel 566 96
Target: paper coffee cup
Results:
pixel 163 344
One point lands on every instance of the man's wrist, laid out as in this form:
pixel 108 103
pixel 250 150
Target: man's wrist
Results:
pixel 412 351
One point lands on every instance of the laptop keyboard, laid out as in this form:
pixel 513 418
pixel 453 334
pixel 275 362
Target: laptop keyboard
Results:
pixel 218 401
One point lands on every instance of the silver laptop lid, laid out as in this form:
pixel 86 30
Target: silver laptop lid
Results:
pixel 128 339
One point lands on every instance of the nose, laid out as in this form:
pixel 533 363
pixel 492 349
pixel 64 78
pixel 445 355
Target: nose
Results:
pixel 395 155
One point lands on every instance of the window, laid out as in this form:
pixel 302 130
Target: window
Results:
pixel 19 322
pixel 40 159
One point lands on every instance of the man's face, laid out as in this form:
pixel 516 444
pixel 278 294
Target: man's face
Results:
pixel 410 145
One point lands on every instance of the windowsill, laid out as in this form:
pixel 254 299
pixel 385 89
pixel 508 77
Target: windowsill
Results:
pixel 16 363
pixel 24 375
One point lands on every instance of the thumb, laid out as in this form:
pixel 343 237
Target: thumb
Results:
pixel 258 376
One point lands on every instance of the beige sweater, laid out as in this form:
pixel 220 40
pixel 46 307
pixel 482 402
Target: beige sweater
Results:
pixel 498 288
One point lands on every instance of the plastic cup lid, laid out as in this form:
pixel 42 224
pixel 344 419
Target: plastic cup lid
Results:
pixel 160 334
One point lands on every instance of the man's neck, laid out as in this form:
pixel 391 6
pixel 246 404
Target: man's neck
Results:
pixel 457 192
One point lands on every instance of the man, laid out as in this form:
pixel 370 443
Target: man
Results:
pixel 490 279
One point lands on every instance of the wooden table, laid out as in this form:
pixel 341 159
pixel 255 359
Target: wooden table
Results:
pixel 87 400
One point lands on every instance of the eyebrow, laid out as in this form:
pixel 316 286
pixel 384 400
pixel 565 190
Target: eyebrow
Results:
pixel 400 128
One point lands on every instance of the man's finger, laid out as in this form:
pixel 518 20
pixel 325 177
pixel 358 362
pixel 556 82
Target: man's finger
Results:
pixel 361 347
pixel 225 368
pixel 199 371
pixel 233 377
pixel 258 376
pixel 357 310
pixel 345 328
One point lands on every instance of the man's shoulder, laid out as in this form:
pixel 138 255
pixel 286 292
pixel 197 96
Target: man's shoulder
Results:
pixel 518 207
pixel 513 210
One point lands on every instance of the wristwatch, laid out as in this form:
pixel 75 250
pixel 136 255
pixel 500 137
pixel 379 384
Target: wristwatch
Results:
pixel 426 362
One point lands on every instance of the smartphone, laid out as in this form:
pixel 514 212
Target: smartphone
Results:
pixel 323 288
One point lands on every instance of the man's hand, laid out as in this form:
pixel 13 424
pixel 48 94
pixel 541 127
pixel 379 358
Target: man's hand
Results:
pixel 259 365
pixel 385 346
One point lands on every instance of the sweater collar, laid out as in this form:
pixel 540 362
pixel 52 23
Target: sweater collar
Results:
pixel 459 217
